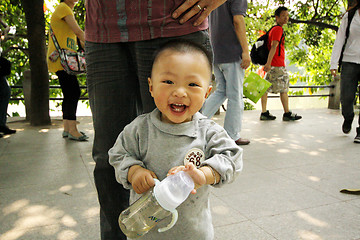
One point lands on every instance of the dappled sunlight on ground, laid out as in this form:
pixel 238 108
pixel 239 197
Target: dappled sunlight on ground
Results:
pixel 311 220
pixel 288 189
pixel 55 222
pixel 307 235
pixel 33 216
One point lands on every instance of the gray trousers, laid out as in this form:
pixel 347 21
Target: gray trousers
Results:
pixel 118 90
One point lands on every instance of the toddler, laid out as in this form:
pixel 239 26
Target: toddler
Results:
pixel 176 137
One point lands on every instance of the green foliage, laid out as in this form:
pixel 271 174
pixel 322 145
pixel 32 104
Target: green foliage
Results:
pixel 310 34
pixel 13 48
pixel 248 105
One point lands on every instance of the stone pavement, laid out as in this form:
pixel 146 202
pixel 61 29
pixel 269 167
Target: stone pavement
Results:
pixel 289 188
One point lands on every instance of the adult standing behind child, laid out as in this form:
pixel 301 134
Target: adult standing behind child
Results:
pixel 275 68
pixel 121 38
pixel 66 31
pixel 350 66
pixel 231 58
pixel 156 144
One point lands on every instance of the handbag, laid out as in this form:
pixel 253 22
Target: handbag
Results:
pixel 72 62
pixel 255 86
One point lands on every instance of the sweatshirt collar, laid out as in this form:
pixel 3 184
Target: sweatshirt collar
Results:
pixel 182 129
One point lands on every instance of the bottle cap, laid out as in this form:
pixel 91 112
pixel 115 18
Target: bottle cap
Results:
pixel 173 190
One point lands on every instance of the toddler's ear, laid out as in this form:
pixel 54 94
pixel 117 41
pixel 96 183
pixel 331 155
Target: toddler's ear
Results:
pixel 150 86
pixel 208 91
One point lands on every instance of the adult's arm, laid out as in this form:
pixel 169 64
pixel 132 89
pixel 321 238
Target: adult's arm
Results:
pixel 338 44
pixel 194 7
pixel 71 21
pixel 240 30
pixel 274 45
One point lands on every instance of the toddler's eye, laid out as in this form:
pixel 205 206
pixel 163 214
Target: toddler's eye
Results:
pixel 167 82
pixel 193 85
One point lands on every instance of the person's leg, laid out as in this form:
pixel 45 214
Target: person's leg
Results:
pixel 284 98
pixel 4 100
pixel 282 82
pixel 264 102
pixel 217 98
pixel 113 90
pixel 5 93
pixel 144 51
pixel 357 76
pixel 234 76
pixel 265 114
pixel 348 87
pixel 71 92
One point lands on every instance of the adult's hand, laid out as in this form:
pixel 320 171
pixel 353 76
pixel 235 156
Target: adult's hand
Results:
pixel 245 63
pixel 333 72
pixel 267 67
pixel 204 7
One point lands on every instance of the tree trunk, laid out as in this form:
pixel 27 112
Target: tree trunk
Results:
pixel 37 57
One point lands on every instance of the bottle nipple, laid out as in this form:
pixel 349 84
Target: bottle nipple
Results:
pixel 173 190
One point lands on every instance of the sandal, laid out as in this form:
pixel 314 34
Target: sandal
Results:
pixel 80 139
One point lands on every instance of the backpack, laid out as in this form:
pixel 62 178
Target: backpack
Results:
pixel 351 14
pixel 259 51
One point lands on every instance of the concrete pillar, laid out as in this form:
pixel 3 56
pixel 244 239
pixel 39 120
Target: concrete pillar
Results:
pixel 334 99
pixel 27 93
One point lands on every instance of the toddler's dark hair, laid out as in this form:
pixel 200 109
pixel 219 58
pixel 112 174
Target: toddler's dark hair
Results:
pixel 279 10
pixel 184 46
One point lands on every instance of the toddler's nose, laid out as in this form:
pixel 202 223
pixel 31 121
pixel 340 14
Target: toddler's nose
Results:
pixel 179 92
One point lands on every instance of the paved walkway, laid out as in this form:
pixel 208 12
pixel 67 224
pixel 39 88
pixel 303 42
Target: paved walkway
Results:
pixel 289 188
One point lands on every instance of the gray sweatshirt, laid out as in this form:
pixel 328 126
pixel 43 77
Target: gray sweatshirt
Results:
pixel 159 146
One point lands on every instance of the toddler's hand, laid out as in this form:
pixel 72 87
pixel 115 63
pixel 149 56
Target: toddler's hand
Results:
pixel 197 175
pixel 142 180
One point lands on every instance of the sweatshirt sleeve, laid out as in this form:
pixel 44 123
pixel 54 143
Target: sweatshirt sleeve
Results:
pixel 339 42
pixel 223 154
pixel 125 153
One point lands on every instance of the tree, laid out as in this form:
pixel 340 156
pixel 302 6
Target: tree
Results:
pixel 39 75
pixel 310 35
pixel 34 15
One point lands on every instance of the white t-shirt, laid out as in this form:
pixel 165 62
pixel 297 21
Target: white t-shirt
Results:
pixel 352 48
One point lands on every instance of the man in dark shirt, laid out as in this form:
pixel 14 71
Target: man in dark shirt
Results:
pixel 231 58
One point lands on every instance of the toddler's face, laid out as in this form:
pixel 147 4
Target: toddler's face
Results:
pixel 179 84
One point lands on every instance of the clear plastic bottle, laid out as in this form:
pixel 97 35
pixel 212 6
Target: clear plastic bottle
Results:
pixel 155 205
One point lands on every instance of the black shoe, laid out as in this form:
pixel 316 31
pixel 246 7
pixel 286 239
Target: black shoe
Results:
pixel 289 116
pixel 5 130
pixel 357 138
pixel 267 116
pixel 1 135
pixel 346 127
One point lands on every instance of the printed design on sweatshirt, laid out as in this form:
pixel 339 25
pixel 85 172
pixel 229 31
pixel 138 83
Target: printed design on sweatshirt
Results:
pixel 195 156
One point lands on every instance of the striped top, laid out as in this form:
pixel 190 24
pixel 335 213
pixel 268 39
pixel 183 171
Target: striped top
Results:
pixel 109 21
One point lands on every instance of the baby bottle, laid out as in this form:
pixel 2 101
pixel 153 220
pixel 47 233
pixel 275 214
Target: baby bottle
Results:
pixel 155 205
